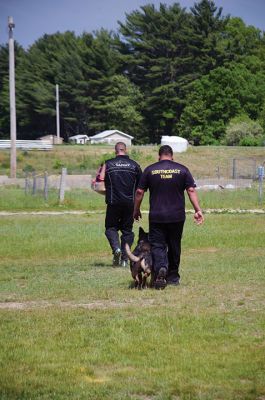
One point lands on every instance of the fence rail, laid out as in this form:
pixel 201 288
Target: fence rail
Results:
pixel 27 144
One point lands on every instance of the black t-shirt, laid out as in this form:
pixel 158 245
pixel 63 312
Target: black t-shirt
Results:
pixel 167 182
pixel 121 180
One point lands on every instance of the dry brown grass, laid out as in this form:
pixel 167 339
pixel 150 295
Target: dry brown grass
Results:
pixel 203 161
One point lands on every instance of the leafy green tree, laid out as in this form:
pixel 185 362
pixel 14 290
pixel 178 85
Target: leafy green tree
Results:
pixel 53 59
pixel 85 68
pixel 121 107
pixel 261 117
pixel 159 60
pixel 239 41
pixel 101 63
pixel 218 97
pixel 208 25
pixel 170 71
pixel 4 91
pixel 167 49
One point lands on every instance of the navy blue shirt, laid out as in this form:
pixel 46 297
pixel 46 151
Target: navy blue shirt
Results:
pixel 167 182
pixel 121 180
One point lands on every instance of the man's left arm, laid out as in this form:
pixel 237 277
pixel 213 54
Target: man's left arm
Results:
pixel 198 216
pixel 138 175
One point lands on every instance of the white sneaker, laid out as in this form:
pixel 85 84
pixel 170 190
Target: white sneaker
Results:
pixel 116 258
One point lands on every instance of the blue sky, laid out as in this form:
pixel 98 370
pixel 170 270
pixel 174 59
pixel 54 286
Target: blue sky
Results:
pixel 34 18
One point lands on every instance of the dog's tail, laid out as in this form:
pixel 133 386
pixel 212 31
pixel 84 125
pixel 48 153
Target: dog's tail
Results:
pixel 131 256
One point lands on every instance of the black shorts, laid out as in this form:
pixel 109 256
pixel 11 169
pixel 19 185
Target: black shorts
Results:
pixel 119 217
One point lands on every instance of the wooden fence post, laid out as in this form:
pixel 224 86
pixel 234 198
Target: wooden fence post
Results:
pixel 26 183
pixel 34 184
pixel 46 185
pixel 234 169
pixel 62 185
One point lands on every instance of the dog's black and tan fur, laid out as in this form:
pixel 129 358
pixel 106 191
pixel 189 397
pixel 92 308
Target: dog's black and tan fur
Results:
pixel 140 260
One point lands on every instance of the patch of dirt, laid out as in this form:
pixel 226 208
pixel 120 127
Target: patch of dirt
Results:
pixel 82 212
pixel 204 250
pixel 98 304
pixel 143 397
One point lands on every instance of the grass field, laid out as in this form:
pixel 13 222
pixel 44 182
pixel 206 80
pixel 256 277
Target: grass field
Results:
pixel 15 199
pixel 72 329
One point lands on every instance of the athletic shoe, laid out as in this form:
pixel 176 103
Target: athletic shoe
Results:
pixel 116 258
pixel 124 263
pixel 161 282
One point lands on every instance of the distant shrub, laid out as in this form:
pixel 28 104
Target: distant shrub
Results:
pixel 58 164
pixel 243 131
pixel 20 157
pixel 83 166
pixel 105 157
pixel 136 154
pixel 5 164
pixel 28 168
pixel 251 141
pixel 149 157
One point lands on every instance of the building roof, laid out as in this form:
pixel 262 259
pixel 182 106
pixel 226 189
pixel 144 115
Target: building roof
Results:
pixel 49 135
pixel 174 139
pixel 107 133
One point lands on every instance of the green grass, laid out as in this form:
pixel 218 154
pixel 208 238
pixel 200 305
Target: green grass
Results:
pixel 15 199
pixel 231 199
pixel 71 329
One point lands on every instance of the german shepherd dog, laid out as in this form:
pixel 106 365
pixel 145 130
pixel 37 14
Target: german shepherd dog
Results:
pixel 140 260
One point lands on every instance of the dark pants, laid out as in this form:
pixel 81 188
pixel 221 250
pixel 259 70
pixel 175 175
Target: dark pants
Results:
pixel 119 218
pixel 166 247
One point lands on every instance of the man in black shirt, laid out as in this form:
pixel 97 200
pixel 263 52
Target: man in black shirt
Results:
pixel 121 176
pixel 167 182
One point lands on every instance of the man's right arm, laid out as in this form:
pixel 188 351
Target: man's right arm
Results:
pixel 139 195
pixel 102 173
pixel 198 216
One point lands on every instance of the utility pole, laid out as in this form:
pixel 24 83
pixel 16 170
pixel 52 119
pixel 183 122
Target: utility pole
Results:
pixel 12 97
pixel 57 115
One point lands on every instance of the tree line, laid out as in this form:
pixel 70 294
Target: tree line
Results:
pixel 167 71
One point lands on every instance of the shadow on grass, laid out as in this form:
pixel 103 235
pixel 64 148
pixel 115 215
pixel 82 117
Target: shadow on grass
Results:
pixel 102 264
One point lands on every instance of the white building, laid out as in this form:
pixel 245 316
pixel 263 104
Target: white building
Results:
pixel 52 139
pixel 177 143
pixel 79 139
pixel 111 137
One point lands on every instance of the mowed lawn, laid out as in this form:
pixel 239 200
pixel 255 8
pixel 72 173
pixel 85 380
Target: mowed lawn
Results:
pixel 71 328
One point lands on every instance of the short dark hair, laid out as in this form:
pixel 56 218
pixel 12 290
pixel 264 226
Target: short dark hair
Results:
pixel 120 146
pixel 165 150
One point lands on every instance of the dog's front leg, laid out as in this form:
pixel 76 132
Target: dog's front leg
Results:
pixel 144 286
pixel 140 280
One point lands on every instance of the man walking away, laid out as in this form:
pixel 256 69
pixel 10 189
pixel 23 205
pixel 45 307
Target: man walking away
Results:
pixel 167 181
pixel 121 176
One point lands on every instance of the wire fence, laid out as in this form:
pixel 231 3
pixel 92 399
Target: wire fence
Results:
pixel 236 173
pixel 247 167
pixel 39 183
pixel 36 183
